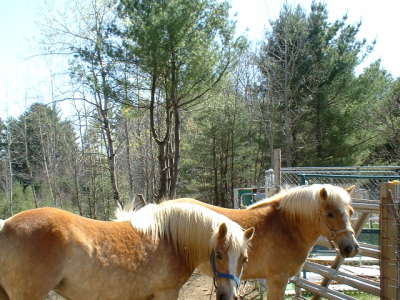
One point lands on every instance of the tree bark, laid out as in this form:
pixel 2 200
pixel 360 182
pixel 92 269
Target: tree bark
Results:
pixel 176 154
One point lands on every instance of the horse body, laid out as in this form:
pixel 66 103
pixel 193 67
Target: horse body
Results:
pixel 286 228
pixel 278 250
pixel 84 259
pixel 50 249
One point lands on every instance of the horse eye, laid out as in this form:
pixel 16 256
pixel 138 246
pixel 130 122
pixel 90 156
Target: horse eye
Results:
pixel 330 215
pixel 218 255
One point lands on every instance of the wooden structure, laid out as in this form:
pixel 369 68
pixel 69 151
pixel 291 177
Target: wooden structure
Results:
pixel 390 241
pixel 388 253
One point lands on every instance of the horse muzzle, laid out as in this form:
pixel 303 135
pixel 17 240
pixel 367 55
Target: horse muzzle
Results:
pixel 223 296
pixel 348 248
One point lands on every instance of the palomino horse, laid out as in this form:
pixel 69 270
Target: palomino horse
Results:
pixel 149 256
pixel 287 226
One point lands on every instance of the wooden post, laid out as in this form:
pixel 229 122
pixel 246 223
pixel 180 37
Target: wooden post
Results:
pixel 277 167
pixel 390 241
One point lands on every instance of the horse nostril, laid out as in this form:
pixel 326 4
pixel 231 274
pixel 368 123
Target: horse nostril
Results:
pixel 348 249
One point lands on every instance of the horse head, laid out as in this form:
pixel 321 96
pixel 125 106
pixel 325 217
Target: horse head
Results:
pixel 335 214
pixel 228 257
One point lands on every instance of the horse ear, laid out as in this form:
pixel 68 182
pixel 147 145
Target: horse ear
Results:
pixel 351 189
pixel 222 231
pixel 323 194
pixel 139 202
pixel 249 233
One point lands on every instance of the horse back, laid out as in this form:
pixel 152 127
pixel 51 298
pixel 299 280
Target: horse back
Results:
pixel 40 232
pixel 51 230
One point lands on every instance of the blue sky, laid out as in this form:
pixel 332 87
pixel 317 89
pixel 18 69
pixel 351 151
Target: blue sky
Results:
pixel 24 77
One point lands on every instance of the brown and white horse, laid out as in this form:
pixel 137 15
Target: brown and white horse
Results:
pixel 149 256
pixel 287 226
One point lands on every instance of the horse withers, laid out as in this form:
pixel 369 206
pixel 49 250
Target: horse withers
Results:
pixel 148 255
pixel 287 227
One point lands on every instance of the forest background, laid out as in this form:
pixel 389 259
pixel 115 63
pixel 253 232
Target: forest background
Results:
pixel 168 101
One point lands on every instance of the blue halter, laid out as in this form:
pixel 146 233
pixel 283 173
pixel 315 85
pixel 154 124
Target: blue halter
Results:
pixel 217 274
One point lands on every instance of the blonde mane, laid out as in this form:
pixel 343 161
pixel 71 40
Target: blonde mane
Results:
pixel 2 224
pixel 304 201
pixel 187 226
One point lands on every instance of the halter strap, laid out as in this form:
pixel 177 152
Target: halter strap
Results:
pixel 334 233
pixel 218 274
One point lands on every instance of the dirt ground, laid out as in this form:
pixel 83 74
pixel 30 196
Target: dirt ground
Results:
pixel 199 287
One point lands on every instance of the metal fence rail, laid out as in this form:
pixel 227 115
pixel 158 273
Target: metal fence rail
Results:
pixel 367 179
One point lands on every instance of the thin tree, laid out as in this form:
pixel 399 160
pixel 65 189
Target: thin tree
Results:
pixel 184 47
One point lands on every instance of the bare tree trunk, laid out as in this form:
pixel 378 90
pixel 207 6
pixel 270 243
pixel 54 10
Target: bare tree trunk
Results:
pixel 163 169
pixel 44 157
pixel 10 181
pixel 176 154
pixel 128 160
pixel 77 190
pixel 76 165
pixel 318 128
pixel 111 158
pixel 127 139
pixel 215 169
pixel 232 146
pixel 162 143
pixel 28 165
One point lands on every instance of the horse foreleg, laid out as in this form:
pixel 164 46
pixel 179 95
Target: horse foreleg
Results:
pixel 171 294
pixel 277 287
pixel 3 294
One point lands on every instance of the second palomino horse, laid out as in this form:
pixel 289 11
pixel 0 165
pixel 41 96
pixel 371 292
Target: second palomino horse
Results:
pixel 287 227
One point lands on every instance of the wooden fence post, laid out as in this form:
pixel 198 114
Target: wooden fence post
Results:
pixel 390 241
pixel 277 167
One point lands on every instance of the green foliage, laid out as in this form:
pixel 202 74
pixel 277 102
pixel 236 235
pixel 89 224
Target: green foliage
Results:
pixel 385 149
pixel 221 147
pixel 309 64
pixel 185 44
pixel 21 200
pixel 38 136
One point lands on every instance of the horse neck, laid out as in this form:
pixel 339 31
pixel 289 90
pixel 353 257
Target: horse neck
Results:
pixel 192 239
pixel 307 229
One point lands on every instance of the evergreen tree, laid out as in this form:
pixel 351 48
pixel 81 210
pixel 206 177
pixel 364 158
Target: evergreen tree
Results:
pixel 183 47
pixel 308 64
